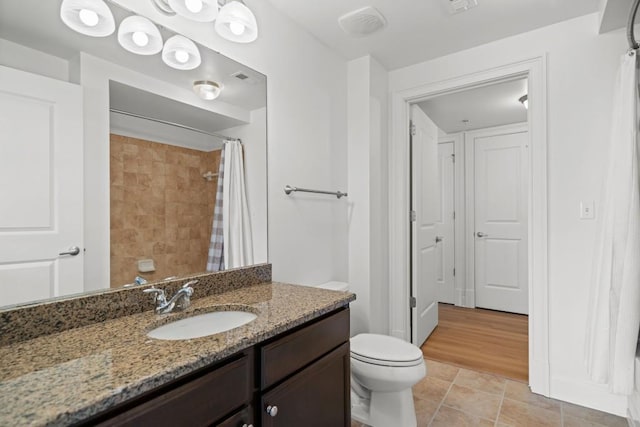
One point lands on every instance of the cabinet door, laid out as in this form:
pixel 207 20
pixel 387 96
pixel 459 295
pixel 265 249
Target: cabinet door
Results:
pixel 316 396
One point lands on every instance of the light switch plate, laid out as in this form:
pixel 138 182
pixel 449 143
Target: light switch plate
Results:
pixel 587 210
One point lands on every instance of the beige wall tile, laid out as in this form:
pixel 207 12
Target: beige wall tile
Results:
pixel 161 208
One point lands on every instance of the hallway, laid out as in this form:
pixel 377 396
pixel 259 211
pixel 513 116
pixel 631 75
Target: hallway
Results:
pixel 482 340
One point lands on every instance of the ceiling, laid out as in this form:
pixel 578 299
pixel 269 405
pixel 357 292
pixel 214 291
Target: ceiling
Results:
pixel 483 107
pixel 419 30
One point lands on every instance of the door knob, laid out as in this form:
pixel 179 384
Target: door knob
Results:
pixel 272 410
pixel 481 234
pixel 439 239
pixel 73 251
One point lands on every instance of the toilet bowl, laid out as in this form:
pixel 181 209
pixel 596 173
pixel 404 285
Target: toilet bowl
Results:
pixel 383 370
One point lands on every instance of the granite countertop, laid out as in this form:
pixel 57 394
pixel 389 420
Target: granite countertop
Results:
pixel 65 377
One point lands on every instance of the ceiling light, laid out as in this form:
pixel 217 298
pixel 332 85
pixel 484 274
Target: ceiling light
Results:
pixel 89 17
pixel 206 89
pixel 181 53
pixel 196 10
pixel 524 100
pixel 139 35
pixel 236 23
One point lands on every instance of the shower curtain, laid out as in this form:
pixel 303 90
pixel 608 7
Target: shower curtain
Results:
pixel 614 307
pixel 215 258
pixel 238 242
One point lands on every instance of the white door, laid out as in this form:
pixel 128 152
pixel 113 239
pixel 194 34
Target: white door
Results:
pixel 425 203
pixel 40 187
pixel 445 249
pixel 500 216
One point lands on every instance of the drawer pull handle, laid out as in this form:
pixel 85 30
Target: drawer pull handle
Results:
pixel 272 410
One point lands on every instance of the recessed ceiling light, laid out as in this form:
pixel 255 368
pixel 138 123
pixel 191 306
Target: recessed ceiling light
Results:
pixel 89 17
pixel 207 89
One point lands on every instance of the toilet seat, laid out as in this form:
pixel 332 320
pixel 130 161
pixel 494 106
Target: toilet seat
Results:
pixel 384 350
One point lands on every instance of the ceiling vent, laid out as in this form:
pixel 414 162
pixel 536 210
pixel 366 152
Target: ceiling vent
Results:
pixel 362 22
pixel 458 6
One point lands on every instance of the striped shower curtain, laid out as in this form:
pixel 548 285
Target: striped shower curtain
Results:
pixel 215 259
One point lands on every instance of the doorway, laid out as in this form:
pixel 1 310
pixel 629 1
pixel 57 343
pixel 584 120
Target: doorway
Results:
pixel 535 243
pixel 489 123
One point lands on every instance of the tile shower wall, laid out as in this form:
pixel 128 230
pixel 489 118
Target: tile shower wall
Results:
pixel 161 208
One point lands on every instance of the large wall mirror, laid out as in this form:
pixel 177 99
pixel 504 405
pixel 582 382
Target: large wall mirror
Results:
pixel 114 167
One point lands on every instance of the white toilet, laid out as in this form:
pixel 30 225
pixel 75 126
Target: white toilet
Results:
pixel 383 370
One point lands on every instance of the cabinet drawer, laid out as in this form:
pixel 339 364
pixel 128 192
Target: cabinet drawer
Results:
pixel 292 352
pixel 200 402
pixel 242 418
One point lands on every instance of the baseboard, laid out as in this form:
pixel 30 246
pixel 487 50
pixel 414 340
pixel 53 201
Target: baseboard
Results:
pixel 459 297
pixel 633 413
pixel 591 395
pixel 470 298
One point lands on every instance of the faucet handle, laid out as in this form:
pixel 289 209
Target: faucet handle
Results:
pixel 159 295
pixel 187 286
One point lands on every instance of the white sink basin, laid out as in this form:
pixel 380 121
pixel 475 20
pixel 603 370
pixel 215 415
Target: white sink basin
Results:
pixel 202 325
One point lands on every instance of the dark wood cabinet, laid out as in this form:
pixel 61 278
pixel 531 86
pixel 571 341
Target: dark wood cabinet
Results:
pixel 304 372
pixel 318 396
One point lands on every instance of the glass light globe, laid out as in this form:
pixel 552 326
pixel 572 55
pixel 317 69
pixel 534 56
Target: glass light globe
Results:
pixel 193 6
pixel 140 38
pixel 88 17
pixel 182 56
pixel 237 28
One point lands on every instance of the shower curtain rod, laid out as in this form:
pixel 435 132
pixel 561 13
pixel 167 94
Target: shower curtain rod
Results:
pixel 633 44
pixel 178 125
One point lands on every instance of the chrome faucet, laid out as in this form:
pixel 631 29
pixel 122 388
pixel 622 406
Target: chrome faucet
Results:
pixel 180 301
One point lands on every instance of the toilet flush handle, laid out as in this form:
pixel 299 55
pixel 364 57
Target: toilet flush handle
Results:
pixel 272 410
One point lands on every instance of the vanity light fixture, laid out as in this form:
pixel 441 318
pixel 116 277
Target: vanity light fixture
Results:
pixel 236 23
pixel 139 35
pixel 196 10
pixel 181 53
pixel 524 100
pixel 89 17
pixel 207 89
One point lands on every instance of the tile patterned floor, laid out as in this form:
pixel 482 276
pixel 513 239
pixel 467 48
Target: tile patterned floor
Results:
pixel 450 397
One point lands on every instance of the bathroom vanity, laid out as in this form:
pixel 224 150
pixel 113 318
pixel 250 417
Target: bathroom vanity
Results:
pixel 290 366
pixel 300 377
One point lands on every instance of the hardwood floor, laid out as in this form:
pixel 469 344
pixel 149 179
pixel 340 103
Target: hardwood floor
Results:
pixel 484 340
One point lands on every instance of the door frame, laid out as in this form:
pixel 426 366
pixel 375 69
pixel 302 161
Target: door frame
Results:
pixel 470 196
pixel 458 223
pixel 534 69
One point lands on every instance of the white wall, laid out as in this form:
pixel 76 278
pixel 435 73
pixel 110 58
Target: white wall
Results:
pixel 306 90
pixel 368 221
pixel 581 68
pixel 33 61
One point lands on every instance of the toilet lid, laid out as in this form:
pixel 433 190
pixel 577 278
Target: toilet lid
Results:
pixel 384 350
